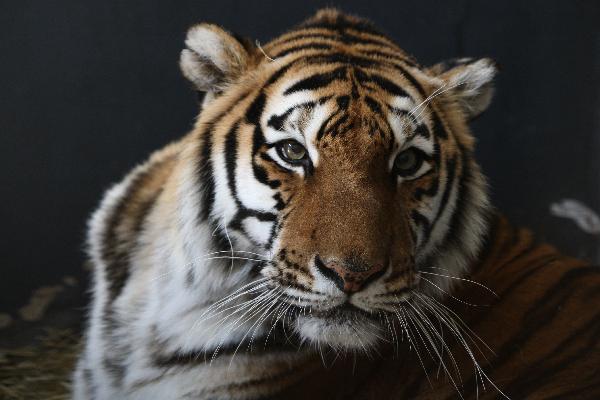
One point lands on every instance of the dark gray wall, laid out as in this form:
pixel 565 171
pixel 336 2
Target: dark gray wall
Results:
pixel 88 89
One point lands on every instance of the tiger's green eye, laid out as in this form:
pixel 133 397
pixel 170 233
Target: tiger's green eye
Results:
pixel 408 162
pixel 292 151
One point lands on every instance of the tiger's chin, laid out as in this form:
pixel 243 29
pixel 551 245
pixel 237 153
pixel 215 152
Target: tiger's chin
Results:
pixel 342 328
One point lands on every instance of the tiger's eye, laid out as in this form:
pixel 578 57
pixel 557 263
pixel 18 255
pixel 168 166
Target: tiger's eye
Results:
pixel 408 162
pixel 292 151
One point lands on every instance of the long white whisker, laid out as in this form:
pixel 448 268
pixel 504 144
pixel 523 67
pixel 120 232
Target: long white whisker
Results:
pixel 207 258
pixel 433 330
pixel 435 94
pixel 218 311
pixel 406 329
pixel 464 327
pixel 281 313
pixel 448 294
pixel 456 330
pixel 213 310
pixel 259 302
pixel 461 279
pixel 265 308
pixel 418 322
pixel 431 96
pixel 247 288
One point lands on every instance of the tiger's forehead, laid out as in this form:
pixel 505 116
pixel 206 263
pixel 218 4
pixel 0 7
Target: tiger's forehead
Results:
pixel 336 37
pixel 335 78
pixel 313 102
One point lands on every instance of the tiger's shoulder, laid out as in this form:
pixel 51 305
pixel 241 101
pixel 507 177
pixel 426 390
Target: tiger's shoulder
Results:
pixel 114 228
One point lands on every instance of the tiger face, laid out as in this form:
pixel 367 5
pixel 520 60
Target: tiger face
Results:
pixel 350 166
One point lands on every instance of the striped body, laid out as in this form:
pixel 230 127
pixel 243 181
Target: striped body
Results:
pixel 326 200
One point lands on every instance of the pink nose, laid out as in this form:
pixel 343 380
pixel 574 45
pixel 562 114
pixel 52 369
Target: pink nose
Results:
pixel 350 277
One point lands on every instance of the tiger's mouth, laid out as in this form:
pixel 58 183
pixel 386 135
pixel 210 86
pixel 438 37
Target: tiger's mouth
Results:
pixel 343 312
pixel 344 327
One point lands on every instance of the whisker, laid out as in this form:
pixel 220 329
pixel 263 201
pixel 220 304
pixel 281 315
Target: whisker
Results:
pixel 435 94
pixel 444 346
pixel 206 258
pixel 465 328
pixel 462 279
pixel 427 99
pixel 267 309
pixel 213 310
pixel 245 289
pixel 456 330
pixel 406 329
pixel 366 352
pixel 219 311
pixel 281 313
pixel 448 294
pixel 253 309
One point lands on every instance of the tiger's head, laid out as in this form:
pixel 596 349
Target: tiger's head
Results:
pixel 333 152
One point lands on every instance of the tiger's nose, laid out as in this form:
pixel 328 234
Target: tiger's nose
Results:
pixel 350 276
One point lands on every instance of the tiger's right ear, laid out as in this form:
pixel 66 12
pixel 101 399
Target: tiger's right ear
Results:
pixel 213 58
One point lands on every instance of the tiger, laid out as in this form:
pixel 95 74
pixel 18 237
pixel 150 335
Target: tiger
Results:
pixel 324 231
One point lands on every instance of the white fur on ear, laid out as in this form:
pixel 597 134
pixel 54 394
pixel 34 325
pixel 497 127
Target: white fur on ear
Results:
pixel 213 58
pixel 471 82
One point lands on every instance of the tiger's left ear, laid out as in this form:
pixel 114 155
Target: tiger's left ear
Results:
pixel 213 58
pixel 470 82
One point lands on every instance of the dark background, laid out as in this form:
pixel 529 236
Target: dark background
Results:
pixel 89 88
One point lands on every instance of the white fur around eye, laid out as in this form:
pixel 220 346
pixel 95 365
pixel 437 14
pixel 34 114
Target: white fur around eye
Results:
pixel 273 136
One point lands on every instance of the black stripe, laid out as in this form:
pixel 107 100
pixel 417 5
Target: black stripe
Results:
pixel 323 126
pixel 205 174
pixel 256 109
pixel 438 127
pixel 344 38
pixel 310 46
pixel 279 341
pixel 277 122
pixel 387 85
pixel 230 161
pixel 450 178
pixel 318 81
pixel 343 102
pixel 390 56
pixel 429 191
pixel 420 219
pixel 114 253
pixel 205 171
pixel 341 58
pixel 412 80
pixel 342 23
pixel 374 105
pixel 463 203
pixel 422 130
pixel 335 130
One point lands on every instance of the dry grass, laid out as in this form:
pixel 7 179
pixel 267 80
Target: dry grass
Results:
pixel 42 371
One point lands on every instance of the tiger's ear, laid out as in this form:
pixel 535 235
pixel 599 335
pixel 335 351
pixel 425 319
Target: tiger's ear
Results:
pixel 470 81
pixel 213 58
